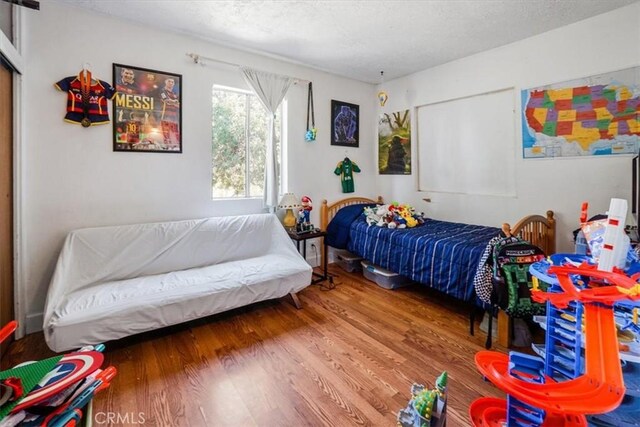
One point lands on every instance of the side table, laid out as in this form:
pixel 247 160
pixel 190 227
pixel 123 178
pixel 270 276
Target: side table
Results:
pixel 303 237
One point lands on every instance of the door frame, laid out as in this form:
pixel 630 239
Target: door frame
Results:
pixel 12 53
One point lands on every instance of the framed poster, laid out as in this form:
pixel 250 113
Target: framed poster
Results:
pixel 394 143
pixel 345 124
pixel 147 110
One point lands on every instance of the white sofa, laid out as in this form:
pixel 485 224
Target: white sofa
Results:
pixel 111 282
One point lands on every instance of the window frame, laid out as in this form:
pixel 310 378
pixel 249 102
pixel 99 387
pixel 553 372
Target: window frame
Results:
pixel 247 130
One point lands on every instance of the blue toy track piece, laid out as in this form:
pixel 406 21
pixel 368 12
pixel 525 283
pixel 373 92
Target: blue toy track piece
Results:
pixel 559 259
pixel 629 305
pixel 527 368
pixel 562 367
pixel 522 415
pixel 633 269
pixel 541 269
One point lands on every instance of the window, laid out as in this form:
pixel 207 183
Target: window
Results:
pixel 239 139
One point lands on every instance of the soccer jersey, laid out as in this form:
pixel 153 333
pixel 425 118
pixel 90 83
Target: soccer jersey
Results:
pixel 345 169
pixel 134 127
pixel 170 105
pixel 96 108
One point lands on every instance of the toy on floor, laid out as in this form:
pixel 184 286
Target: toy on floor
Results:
pixel 588 364
pixel 563 349
pixel 534 398
pixel 54 391
pixel 7 330
pixel 427 407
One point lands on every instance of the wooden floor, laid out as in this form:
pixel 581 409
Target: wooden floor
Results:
pixel 348 357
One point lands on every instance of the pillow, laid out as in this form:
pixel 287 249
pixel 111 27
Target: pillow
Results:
pixel 338 228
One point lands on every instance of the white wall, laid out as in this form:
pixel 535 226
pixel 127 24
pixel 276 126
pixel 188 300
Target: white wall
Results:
pixel 73 179
pixel 603 43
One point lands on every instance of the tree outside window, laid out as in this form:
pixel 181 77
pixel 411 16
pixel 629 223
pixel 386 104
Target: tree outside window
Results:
pixel 239 138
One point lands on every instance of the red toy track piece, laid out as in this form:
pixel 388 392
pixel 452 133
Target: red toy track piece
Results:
pixel 606 294
pixel 7 330
pixel 554 420
pixel 488 412
pixel 492 412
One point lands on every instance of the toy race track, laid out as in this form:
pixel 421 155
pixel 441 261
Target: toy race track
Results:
pixel 536 399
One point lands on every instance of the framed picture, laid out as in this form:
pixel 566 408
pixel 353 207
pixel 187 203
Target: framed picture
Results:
pixel 345 124
pixel 394 143
pixel 147 110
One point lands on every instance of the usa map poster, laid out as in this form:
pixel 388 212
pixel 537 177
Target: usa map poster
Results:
pixel 147 110
pixel 597 115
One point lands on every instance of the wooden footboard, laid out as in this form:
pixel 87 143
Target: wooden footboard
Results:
pixel 540 231
pixel 537 229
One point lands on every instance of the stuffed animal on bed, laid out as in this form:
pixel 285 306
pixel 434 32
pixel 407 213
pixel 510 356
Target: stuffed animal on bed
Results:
pixel 408 217
pixel 394 215
pixel 382 211
pixel 372 216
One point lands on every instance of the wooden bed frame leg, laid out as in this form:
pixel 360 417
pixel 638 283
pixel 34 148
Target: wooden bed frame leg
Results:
pixel 504 329
pixel 296 300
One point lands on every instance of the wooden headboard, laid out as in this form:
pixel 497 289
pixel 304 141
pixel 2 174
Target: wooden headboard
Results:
pixel 327 212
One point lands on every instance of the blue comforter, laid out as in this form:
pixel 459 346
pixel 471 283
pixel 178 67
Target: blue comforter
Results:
pixel 442 255
pixel 340 226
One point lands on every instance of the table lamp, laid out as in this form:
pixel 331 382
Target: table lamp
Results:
pixel 289 202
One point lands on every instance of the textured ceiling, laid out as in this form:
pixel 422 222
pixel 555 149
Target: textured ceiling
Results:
pixel 356 38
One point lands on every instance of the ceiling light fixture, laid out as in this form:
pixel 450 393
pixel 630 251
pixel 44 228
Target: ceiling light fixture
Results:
pixel 382 95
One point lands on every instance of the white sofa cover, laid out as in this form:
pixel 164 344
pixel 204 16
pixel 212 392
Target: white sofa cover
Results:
pixel 111 282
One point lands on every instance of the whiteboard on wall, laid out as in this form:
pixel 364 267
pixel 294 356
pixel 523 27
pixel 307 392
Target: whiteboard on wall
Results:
pixel 467 145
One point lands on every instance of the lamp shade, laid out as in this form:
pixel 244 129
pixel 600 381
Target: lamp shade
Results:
pixel 289 201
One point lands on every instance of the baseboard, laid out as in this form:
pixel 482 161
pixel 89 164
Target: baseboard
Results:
pixel 34 322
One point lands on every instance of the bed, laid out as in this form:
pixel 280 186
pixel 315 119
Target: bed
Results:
pixel 438 254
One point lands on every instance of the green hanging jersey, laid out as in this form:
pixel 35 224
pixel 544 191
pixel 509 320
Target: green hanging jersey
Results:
pixel 345 169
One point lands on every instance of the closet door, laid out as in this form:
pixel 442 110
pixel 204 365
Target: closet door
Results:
pixel 6 198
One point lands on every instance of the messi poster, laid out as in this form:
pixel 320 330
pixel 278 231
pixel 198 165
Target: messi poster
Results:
pixel 147 110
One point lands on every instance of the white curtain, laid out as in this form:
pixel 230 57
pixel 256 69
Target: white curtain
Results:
pixel 270 89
